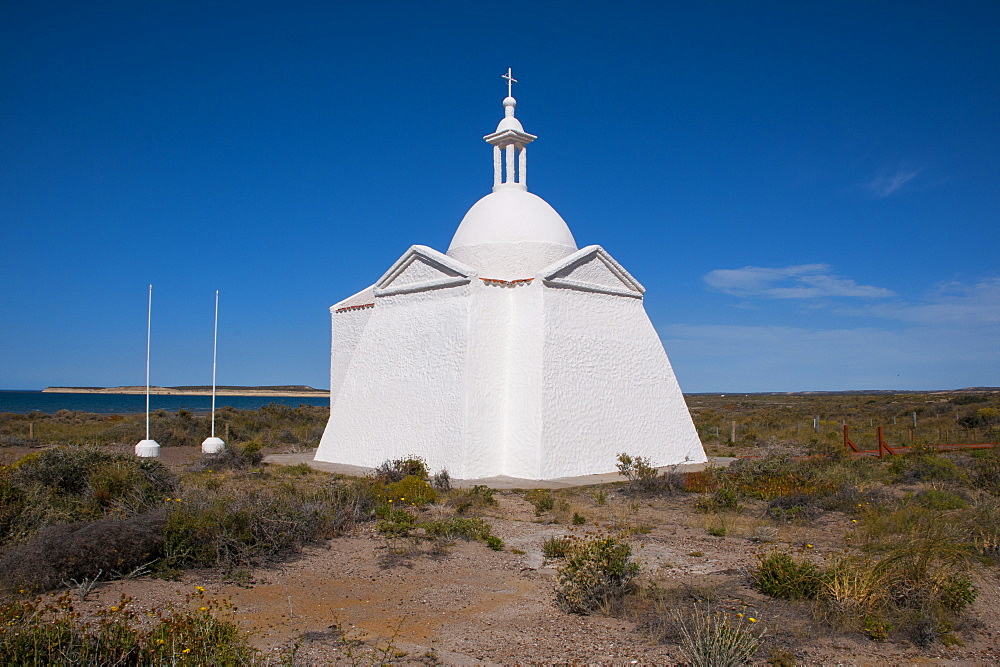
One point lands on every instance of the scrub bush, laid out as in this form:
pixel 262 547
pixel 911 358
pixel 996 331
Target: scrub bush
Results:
pixel 83 550
pixel 410 490
pixel 442 481
pixel 643 478
pixel 541 499
pixel 598 572
pixel 556 547
pixel 399 523
pixel 41 632
pixel 793 508
pixel 395 470
pixel 239 521
pixel 925 465
pixel 479 496
pixel 718 639
pixel 71 484
pixel 781 576
pixel 937 499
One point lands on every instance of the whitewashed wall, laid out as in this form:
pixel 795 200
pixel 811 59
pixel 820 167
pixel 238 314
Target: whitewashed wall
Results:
pixel 538 380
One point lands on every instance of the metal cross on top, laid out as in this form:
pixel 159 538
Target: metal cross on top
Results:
pixel 510 82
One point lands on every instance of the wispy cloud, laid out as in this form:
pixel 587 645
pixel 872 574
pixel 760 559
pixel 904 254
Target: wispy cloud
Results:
pixel 948 303
pixel 888 183
pixel 948 338
pixel 804 281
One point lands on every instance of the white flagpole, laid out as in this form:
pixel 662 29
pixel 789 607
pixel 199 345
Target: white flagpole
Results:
pixel 148 448
pixel 149 322
pixel 215 347
pixel 212 444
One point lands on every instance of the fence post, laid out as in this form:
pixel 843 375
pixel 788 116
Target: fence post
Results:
pixel 732 432
pixel 847 439
pixel 816 424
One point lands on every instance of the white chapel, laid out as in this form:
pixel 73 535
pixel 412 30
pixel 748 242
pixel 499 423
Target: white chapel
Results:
pixel 515 353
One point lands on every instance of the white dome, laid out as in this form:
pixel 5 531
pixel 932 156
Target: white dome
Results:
pixel 510 234
pixel 512 216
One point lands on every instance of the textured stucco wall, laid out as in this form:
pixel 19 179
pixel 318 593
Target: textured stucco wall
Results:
pixel 404 387
pixel 608 387
pixel 538 380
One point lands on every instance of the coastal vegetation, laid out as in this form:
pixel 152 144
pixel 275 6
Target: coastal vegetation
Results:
pixel 893 551
pixel 275 425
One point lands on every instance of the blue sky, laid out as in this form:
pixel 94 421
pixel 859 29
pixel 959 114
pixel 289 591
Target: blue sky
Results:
pixel 809 191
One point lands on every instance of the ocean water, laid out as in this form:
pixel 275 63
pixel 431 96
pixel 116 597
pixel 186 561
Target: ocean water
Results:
pixel 30 401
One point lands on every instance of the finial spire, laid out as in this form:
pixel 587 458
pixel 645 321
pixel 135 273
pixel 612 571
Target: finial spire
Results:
pixel 510 82
pixel 510 141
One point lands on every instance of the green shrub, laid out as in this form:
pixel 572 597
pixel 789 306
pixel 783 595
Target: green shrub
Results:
pixel 722 499
pixel 556 547
pixel 70 484
pixel 478 497
pixel 241 521
pixel 925 465
pixel 771 476
pixel 410 490
pixel 395 470
pixel 235 456
pixel 53 632
pixel 598 571
pixel 108 547
pixel 457 526
pixel 781 576
pixel 853 500
pixel 793 508
pixel 854 589
pixel 957 592
pixel 936 499
pixel 644 478
pixel 986 470
pixel 718 639
pixel 398 523
pixel 541 499
pixel 442 481
pixel 981 523
pixel 916 569
pixel 394 522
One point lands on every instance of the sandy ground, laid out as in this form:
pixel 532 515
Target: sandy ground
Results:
pixel 363 599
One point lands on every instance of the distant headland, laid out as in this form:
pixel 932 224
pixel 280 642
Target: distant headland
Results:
pixel 222 390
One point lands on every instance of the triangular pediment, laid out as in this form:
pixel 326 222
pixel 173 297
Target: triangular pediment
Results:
pixel 592 269
pixel 422 268
pixel 363 299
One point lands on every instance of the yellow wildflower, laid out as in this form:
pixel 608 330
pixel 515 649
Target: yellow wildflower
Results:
pixel 752 619
pixel 114 609
pixel 187 650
